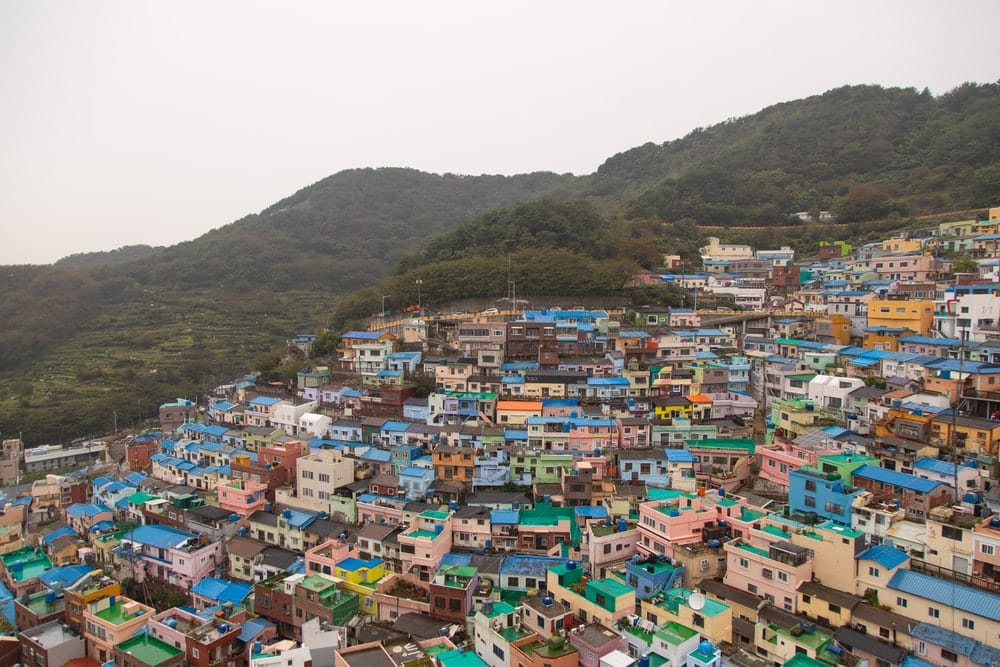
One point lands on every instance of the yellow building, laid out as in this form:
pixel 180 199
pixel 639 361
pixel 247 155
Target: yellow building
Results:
pixel 714 620
pixel 917 596
pixel 901 245
pixel 833 545
pixel 360 577
pixel 826 605
pixel 895 313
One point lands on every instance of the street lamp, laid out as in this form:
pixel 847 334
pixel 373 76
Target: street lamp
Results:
pixel 420 308
pixel 384 296
pixel 115 413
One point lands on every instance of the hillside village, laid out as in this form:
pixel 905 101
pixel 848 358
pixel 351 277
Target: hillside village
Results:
pixel 807 479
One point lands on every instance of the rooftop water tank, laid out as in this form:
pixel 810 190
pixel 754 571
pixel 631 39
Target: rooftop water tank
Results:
pixel 234 517
pixel 675 512
pixel 706 647
pixel 643 660
pixel 287 514
pixel 622 525
pixel 571 565
pixel 453 505
pixel 547 601
pixel 438 529
pixel 172 623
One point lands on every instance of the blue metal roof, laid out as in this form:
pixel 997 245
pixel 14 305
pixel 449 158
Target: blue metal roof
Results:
pixel 352 564
pixel 679 455
pixel 453 558
pixel 80 510
pixel 222 590
pixel 60 577
pixel 56 534
pixel 378 455
pixel 264 400
pixel 161 537
pixel 895 478
pixel 927 340
pixel 103 526
pixel 253 628
pixel 886 556
pixel 592 511
pixel 395 426
pixel 509 517
pixel 529 566
pixel 948 593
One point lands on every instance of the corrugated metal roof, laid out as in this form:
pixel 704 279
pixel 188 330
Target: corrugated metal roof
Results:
pixel 895 478
pixel 886 556
pixel 965 598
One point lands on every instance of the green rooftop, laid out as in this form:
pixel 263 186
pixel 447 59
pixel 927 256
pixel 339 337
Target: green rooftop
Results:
pixel 140 497
pixel 673 599
pixel 837 528
pixel 499 609
pixel 800 660
pixel 421 533
pixel 675 634
pixel 434 514
pixel 116 616
pixel 547 650
pixel 663 494
pixel 460 658
pixel 748 514
pixel 745 444
pixel 754 550
pixel 149 650
pixel 814 640
pixel 26 563
pixel 609 587
pixel 316 583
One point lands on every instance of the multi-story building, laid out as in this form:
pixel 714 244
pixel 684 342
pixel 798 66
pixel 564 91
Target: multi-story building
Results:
pixel 110 621
pixel 774 573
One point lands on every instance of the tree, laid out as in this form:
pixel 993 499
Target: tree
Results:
pixel 963 264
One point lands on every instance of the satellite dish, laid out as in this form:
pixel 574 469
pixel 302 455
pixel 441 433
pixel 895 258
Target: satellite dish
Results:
pixel 697 602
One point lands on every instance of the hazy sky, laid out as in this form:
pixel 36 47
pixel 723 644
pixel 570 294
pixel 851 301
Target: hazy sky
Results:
pixel 153 122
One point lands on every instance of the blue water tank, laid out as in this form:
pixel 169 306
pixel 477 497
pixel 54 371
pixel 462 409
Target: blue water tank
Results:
pixel 547 601
pixel 597 452
pixel 995 522
pixel 675 513
pixel 487 607
pixel 706 647
pixel 241 532
pixel 438 529
pixel 453 505
pixel 571 565
pixel 622 525
pixel 257 646
pixel 722 523
pixel 546 499
pixel 287 514
pixel 172 623
pixel 722 492
pixel 714 543
pixel 50 597
pixel 643 660
pixel 223 628
pixel 267 507
pixel 234 517
pixel 972 498
pixel 834 649
pixel 489 543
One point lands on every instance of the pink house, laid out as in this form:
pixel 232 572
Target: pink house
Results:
pixel 593 642
pixel 169 555
pixel 380 509
pixel 608 546
pixel 678 518
pixel 401 594
pixel 779 459
pixel 323 558
pixel 986 549
pixel 423 545
pixel 242 497
pixel 471 527
pixel 774 573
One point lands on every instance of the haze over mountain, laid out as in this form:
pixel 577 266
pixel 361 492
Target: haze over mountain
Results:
pixel 140 325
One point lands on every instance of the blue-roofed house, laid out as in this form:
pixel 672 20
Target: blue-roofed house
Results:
pixel 524 572
pixel 928 467
pixel 414 482
pixel 81 516
pixel 65 576
pixel 939 645
pixel 169 555
pixel 940 602
pixel 211 591
pixel 915 495
pixel 811 492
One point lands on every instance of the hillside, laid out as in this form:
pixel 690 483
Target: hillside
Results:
pixel 142 325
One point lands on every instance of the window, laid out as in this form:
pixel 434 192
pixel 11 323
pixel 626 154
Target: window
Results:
pixel 951 532
pixel 698 620
pixel 902 602
pixel 810 485
pixel 884 633
pixel 752 588
pixel 782 576
pixel 922 648
pixel 324 477
pixel 933 613
pixel 809 501
pixel 968 624
pixel 498 652
pixel 744 564
pixel 949 655
pixel 988 549
pixel 834 609
pixel 873 571
pixel 194 653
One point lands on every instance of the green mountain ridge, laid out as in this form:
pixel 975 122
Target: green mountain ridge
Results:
pixel 81 338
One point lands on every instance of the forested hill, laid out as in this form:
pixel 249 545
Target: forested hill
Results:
pixel 864 151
